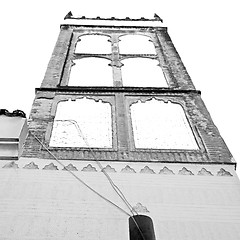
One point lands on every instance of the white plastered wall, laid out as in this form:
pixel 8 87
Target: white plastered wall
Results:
pixel 52 204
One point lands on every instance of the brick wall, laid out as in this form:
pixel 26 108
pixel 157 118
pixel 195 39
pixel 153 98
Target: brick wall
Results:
pixel 181 90
pixel 56 64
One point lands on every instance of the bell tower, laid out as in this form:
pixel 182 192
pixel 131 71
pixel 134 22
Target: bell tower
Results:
pixel 117 130
pixel 121 86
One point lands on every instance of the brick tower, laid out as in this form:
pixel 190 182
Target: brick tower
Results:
pixel 120 144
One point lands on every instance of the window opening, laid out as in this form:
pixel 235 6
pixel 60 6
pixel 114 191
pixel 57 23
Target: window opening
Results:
pixel 142 72
pixel 94 44
pixel 136 44
pixel 91 71
pixel 82 123
pixel 161 125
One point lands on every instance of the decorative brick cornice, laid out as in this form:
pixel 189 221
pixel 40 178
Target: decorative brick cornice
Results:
pixel 128 168
pixel 71 20
pixel 156 18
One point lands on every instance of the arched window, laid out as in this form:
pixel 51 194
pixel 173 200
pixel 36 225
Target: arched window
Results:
pixel 161 125
pixel 96 44
pixel 136 44
pixel 142 72
pixel 82 123
pixel 91 71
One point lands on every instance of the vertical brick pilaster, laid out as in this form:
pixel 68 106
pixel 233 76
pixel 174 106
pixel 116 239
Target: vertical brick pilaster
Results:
pixel 117 75
pixel 122 137
pixel 174 61
pixel 56 64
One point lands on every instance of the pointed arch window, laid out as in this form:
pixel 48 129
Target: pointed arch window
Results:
pixel 82 123
pixel 91 71
pixel 93 44
pixel 160 125
pixel 136 44
pixel 142 72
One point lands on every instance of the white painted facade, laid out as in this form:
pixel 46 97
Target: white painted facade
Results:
pixel 195 202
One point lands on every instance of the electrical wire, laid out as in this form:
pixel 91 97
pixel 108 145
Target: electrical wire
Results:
pixel 114 186
pixel 79 179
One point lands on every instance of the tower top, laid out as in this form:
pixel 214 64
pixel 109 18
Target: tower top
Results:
pixel 69 19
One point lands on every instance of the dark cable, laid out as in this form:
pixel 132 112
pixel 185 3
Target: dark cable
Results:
pixel 80 180
pixel 114 186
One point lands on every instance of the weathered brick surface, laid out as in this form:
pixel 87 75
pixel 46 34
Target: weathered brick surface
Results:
pixel 211 146
pixel 174 61
pixel 215 146
pixel 55 67
pixel 41 108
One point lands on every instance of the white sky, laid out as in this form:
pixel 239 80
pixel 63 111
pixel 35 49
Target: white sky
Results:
pixel 205 33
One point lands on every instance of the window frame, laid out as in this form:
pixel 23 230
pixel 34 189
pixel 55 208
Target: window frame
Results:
pixel 131 99
pixel 115 56
pixel 65 97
